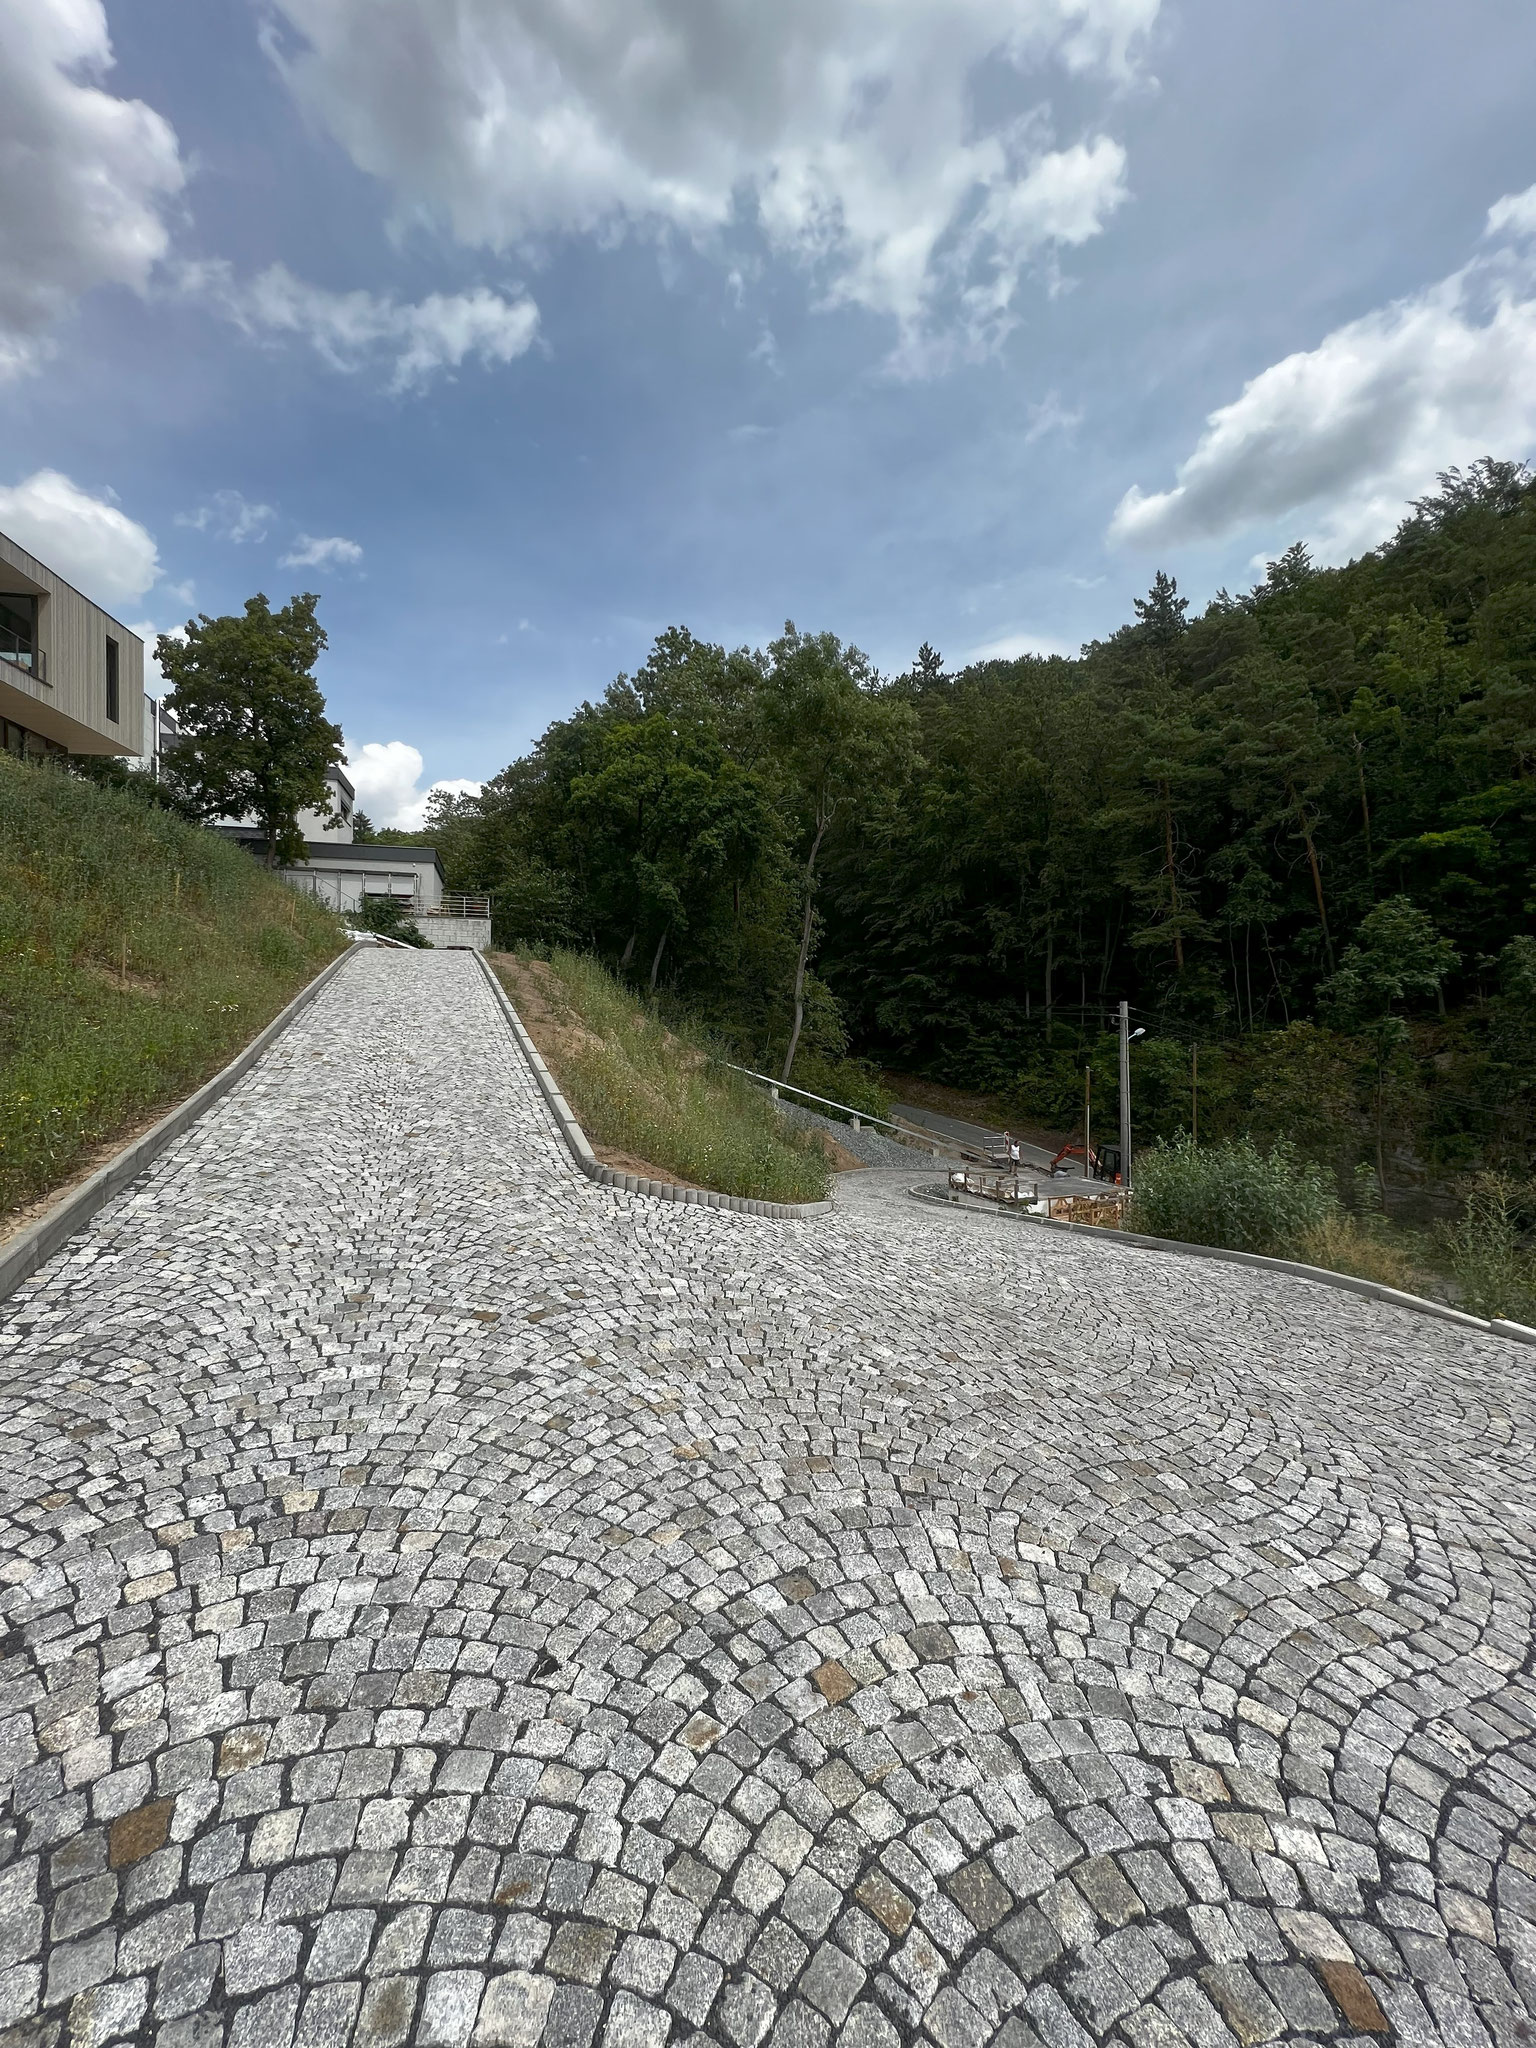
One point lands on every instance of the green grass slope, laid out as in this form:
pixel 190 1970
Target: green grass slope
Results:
pixel 654 1091
pixel 137 955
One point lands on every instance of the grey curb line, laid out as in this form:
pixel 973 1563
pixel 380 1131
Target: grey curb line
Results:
pixel 1375 1290
pixel 40 1240
pixel 609 1176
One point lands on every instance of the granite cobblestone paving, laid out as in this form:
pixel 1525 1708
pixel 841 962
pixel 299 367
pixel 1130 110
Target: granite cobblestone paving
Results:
pixel 447 1602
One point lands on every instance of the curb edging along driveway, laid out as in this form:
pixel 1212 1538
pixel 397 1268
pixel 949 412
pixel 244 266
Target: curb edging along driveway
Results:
pixel 30 1248
pixel 610 1176
pixel 1348 1283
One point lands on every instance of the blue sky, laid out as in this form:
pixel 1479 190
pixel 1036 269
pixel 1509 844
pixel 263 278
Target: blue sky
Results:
pixel 521 329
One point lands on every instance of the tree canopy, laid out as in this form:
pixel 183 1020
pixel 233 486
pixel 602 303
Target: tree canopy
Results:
pixel 255 740
pixel 1245 821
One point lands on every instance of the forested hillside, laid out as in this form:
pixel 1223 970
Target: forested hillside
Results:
pixel 1296 831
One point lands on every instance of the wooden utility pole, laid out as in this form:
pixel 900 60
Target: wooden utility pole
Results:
pixel 1194 1093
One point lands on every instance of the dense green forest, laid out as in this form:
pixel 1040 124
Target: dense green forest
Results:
pixel 1297 832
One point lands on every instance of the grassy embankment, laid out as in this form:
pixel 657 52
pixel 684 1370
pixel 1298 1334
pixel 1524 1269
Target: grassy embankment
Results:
pixel 1242 1197
pixel 138 954
pixel 648 1095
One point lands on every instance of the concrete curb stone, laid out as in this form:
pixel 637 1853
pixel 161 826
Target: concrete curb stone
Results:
pixel 1374 1290
pixel 610 1176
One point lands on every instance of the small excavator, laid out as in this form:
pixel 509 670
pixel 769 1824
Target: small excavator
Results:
pixel 1103 1165
pixel 1071 1151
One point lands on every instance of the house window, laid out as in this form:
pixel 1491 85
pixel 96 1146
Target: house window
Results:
pixel 114 694
pixel 18 629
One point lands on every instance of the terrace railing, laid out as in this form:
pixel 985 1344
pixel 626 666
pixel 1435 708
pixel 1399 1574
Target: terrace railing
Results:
pixel 458 906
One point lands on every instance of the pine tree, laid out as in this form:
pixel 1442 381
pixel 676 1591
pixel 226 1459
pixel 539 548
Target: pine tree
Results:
pixel 1160 613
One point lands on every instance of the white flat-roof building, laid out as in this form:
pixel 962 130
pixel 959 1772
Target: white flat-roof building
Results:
pixel 341 872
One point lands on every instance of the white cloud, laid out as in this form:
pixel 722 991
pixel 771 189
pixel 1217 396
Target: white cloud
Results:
pixel 231 516
pixel 309 552
pixel 1514 214
pixel 351 330
pixel 1062 201
pixel 387 774
pixel 1010 646
pixel 1050 416
pixel 1342 437
pixel 846 128
pixel 104 553
pixel 85 176
pixel 154 676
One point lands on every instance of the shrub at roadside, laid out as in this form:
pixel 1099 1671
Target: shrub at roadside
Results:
pixel 1232 1195
pixel 387 916
pixel 653 1091
pixel 138 954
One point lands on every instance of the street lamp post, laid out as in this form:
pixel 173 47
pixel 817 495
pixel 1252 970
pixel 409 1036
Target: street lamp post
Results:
pixel 1126 1035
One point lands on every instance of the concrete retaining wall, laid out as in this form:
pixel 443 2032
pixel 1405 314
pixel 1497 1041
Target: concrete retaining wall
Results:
pixel 473 933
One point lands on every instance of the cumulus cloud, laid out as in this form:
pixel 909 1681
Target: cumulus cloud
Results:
pixel 310 552
pixel 86 176
pixel 1343 436
pixel 231 516
pixel 104 553
pixel 387 777
pixel 1514 214
pixel 846 128
pixel 351 330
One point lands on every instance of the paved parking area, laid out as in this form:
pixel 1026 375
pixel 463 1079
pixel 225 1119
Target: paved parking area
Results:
pixel 447 1602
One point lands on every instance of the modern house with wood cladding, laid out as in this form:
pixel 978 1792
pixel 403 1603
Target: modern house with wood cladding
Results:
pixel 71 676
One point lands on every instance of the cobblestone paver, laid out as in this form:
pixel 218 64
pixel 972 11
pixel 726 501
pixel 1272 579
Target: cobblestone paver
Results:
pixel 445 1602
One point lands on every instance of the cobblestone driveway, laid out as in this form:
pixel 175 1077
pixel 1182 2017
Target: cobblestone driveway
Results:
pixel 448 1602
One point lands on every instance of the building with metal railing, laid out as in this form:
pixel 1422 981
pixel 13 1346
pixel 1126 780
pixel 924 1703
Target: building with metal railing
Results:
pixel 343 872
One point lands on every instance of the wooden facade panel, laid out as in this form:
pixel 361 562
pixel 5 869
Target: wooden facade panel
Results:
pixel 72 635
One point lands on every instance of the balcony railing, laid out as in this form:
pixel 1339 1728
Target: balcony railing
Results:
pixel 459 906
pixel 20 652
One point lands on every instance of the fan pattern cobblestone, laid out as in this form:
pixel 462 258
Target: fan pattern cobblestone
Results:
pixel 445 1602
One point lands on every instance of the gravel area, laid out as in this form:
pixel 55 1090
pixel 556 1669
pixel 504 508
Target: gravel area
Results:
pixel 446 1602
pixel 875 1148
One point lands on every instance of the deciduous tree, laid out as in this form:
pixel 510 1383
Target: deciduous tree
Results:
pixel 256 742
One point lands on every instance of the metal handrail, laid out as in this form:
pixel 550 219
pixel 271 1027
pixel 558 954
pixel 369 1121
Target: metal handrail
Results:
pixel 859 1116
pixel 459 906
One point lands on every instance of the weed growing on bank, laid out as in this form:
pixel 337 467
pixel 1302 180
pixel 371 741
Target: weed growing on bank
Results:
pixel 1495 1272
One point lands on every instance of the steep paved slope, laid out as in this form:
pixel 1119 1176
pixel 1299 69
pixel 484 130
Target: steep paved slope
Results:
pixel 447 1601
